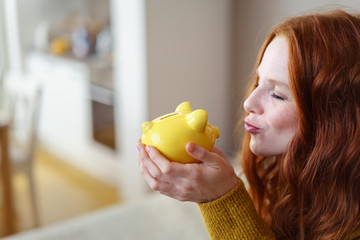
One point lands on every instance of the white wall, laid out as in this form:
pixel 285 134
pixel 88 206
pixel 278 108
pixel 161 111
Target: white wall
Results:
pixel 189 58
pixel 130 83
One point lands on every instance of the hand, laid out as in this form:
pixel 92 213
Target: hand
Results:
pixel 196 182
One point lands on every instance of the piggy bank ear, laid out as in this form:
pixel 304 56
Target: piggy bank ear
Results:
pixel 197 120
pixel 184 108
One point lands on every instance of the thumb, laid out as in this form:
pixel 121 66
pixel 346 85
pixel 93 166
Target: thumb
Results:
pixel 199 153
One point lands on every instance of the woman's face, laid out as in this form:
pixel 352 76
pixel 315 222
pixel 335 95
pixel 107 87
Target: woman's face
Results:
pixel 272 118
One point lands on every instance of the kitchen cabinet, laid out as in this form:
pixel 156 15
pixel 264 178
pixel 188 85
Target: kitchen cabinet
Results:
pixel 66 125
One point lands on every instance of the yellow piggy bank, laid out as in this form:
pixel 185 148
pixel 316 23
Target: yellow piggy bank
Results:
pixel 171 132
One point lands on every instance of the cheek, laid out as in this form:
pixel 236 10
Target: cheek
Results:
pixel 284 121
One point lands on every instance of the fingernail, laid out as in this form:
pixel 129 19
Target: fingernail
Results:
pixel 148 148
pixel 195 150
pixel 138 147
pixel 192 147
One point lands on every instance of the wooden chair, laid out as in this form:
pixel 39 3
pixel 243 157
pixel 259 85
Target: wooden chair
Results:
pixel 6 183
pixel 23 97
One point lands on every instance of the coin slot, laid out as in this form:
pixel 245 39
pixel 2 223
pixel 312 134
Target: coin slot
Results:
pixel 167 116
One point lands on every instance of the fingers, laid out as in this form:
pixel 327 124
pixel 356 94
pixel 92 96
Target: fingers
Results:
pixel 158 166
pixel 162 163
pixel 157 180
pixel 168 168
pixel 187 182
pixel 150 166
pixel 143 169
pixel 153 182
pixel 149 170
pixel 201 153
pixel 218 151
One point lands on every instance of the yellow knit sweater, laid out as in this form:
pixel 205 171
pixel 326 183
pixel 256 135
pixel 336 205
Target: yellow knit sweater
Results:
pixel 233 217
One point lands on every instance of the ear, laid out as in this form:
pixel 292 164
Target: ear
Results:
pixel 146 126
pixel 197 120
pixel 184 108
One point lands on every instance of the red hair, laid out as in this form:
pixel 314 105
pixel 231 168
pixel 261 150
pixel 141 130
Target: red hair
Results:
pixel 312 191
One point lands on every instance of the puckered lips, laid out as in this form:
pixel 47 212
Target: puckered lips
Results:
pixel 250 127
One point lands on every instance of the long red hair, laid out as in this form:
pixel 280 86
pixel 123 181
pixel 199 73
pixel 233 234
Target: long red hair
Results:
pixel 312 191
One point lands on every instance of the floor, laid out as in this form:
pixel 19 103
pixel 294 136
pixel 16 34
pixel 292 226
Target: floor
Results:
pixel 62 192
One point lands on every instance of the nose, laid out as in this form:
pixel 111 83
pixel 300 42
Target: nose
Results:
pixel 253 103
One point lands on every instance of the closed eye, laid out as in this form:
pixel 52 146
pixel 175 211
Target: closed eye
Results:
pixel 277 97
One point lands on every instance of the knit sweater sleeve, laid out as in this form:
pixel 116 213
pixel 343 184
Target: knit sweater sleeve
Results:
pixel 233 216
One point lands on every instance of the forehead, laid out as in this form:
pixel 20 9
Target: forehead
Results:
pixel 274 64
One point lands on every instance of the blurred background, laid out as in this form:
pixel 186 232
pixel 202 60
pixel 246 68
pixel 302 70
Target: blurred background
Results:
pixel 96 69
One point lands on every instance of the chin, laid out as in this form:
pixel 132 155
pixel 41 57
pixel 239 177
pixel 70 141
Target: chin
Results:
pixel 263 151
pixel 256 151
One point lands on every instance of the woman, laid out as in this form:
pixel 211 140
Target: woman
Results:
pixel 301 153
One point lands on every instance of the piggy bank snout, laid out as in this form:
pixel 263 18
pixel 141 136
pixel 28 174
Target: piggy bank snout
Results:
pixel 216 132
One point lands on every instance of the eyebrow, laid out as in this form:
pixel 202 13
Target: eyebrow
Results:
pixel 277 82
pixel 274 81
